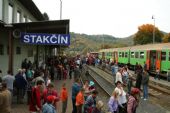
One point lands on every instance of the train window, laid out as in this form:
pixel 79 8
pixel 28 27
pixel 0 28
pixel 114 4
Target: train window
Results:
pixel 1 49
pixel 141 54
pixel 136 55
pixel 169 56
pixel 120 54
pixel 126 54
pixel 132 54
pixel 163 55
pixel 123 54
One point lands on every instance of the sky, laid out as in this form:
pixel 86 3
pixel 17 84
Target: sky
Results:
pixel 119 18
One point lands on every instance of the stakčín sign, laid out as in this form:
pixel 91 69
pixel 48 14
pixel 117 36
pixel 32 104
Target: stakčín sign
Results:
pixel 45 39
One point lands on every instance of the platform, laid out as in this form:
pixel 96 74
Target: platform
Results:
pixel 24 108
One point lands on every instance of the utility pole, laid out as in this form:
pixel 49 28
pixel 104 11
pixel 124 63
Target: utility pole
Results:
pixel 153 29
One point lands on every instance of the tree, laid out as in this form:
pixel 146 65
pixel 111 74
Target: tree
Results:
pixel 145 34
pixel 166 38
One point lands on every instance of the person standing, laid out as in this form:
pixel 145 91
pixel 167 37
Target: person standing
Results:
pixel 5 99
pixel 157 76
pixel 21 84
pixel 139 72
pixel 9 79
pixel 64 98
pixel 80 100
pixel 121 97
pixel 119 76
pixel 75 89
pixel 145 81
pixel 90 103
pixel 113 102
pixel 133 100
pixel 35 103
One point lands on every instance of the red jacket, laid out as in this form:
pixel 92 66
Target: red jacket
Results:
pixel 46 93
pixel 35 99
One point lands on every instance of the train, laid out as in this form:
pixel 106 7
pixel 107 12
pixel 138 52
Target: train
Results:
pixel 155 56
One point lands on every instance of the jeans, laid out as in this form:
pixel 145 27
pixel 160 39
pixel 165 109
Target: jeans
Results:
pixel 74 106
pixel 145 91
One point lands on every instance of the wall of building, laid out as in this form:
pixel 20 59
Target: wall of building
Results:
pixel 4 58
pixel 17 6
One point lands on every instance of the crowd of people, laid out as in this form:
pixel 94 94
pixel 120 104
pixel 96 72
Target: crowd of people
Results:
pixel 37 84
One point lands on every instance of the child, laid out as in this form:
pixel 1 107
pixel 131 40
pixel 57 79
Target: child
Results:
pixel 48 106
pixel 64 98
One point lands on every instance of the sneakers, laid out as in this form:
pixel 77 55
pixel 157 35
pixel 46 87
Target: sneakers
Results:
pixel 144 99
pixel 141 97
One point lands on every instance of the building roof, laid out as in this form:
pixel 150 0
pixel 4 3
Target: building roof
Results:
pixel 55 26
pixel 160 46
pixel 29 4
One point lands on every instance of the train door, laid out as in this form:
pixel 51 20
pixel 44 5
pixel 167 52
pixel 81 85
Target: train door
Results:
pixel 148 59
pixel 158 59
pixel 152 60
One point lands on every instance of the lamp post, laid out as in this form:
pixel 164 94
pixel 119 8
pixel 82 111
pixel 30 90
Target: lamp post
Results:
pixel 153 29
pixel 60 9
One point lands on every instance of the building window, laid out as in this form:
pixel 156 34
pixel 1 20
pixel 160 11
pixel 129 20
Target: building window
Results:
pixel 10 13
pixel 1 49
pixel 18 16
pixel 120 54
pixel 1 9
pixel 141 54
pixel 132 54
pixel 30 53
pixel 24 19
pixel 136 55
pixel 18 50
pixel 163 56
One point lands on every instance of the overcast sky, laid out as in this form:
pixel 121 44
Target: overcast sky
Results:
pixel 119 18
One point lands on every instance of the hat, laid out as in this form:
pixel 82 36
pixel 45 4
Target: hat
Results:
pixel 91 83
pixel 135 91
pixel 51 98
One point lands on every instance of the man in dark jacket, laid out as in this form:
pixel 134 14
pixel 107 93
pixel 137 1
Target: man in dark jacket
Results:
pixel 75 89
pixel 20 84
pixel 145 81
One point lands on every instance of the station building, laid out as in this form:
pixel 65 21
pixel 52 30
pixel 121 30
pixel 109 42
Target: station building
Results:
pixel 23 16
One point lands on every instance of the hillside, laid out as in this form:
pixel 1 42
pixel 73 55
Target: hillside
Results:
pixel 83 43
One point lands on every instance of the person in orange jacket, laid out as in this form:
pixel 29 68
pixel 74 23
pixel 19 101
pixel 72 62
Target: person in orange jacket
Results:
pixel 80 100
pixel 64 98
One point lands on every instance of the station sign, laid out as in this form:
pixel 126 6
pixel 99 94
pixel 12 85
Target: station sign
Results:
pixel 45 39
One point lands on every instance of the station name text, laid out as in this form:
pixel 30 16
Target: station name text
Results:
pixel 49 39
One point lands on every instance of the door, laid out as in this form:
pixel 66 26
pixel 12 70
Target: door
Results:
pixel 153 60
pixel 148 59
pixel 158 59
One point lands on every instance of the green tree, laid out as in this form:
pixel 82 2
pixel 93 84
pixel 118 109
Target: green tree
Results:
pixel 166 38
pixel 145 34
